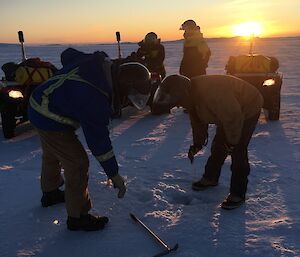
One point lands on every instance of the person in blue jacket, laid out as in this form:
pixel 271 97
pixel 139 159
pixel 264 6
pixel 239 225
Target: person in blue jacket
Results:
pixel 80 94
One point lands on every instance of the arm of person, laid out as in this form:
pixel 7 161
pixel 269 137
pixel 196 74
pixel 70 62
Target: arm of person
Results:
pixel 141 52
pixel 94 119
pixel 205 52
pixel 229 113
pixel 160 54
pixel 200 135
pixel 199 130
pixel 207 56
pixel 97 138
pixel 96 132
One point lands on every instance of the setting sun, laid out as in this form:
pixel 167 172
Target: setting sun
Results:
pixel 248 29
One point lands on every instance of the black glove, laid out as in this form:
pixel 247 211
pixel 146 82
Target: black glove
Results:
pixel 193 151
pixel 118 182
pixel 229 148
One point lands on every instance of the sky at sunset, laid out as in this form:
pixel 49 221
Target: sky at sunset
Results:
pixel 93 21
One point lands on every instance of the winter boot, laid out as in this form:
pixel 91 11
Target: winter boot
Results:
pixel 203 183
pixel 53 197
pixel 232 202
pixel 86 222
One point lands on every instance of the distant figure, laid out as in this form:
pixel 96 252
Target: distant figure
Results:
pixel 152 54
pixel 196 53
pixel 230 103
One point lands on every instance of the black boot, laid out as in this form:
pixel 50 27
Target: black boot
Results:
pixel 53 197
pixel 203 184
pixel 86 222
pixel 232 202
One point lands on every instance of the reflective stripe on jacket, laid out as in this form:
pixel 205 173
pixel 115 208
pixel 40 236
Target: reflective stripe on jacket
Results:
pixel 43 108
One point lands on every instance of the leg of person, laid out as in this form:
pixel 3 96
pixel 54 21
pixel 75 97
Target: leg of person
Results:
pixel 240 167
pixel 51 178
pixel 78 203
pixel 73 158
pixel 214 163
pixel 76 164
pixel 116 102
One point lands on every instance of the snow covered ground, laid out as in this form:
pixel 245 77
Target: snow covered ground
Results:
pixel 151 151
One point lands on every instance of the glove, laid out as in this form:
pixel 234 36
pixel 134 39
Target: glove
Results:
pixel 118 182
pixel 193 151
pixel 229 148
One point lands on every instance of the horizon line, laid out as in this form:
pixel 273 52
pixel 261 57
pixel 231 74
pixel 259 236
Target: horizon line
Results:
pixel 135 42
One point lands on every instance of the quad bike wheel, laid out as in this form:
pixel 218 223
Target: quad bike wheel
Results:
pixel 274 112
pixel 8 124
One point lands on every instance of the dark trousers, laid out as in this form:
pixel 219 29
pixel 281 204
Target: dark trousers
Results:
pixel 239 158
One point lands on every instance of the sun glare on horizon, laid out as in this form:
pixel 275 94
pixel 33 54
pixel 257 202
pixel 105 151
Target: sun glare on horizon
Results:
pixel 247 29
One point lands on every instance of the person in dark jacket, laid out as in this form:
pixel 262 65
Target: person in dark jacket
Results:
pixel 234 106
pixel 77 95
pixel 196 53
pixel 152 54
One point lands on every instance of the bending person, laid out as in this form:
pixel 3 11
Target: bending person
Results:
pixel 234 106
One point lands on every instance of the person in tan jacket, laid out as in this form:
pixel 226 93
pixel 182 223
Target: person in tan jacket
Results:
pixel 234 106
pixel 196 52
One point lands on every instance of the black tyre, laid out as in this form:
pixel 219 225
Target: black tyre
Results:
pixel 117 113
pixel 8 124
pixel 274 111
pixel 159 110
pixel 274 114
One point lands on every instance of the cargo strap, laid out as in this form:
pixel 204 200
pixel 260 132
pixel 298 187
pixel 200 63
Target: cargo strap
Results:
pixel 30 75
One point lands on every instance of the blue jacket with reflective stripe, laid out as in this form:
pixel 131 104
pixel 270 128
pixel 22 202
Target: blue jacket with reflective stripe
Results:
pixel 87 104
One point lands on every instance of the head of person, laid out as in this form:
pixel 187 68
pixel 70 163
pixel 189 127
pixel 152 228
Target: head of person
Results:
pixel 134 82
pixel 190 28
pixel 189 25
pixel 173 91
pixel 151 39
pixel 92 67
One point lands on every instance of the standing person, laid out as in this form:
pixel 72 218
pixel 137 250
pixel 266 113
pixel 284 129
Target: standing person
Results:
pixel 234 106
pixel 196 53
pixel 152 54
pixel 77 95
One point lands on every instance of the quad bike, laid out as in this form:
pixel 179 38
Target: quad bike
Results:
pixel 269 85
pixel 17 86
pixel 13 105
pixel 262 72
